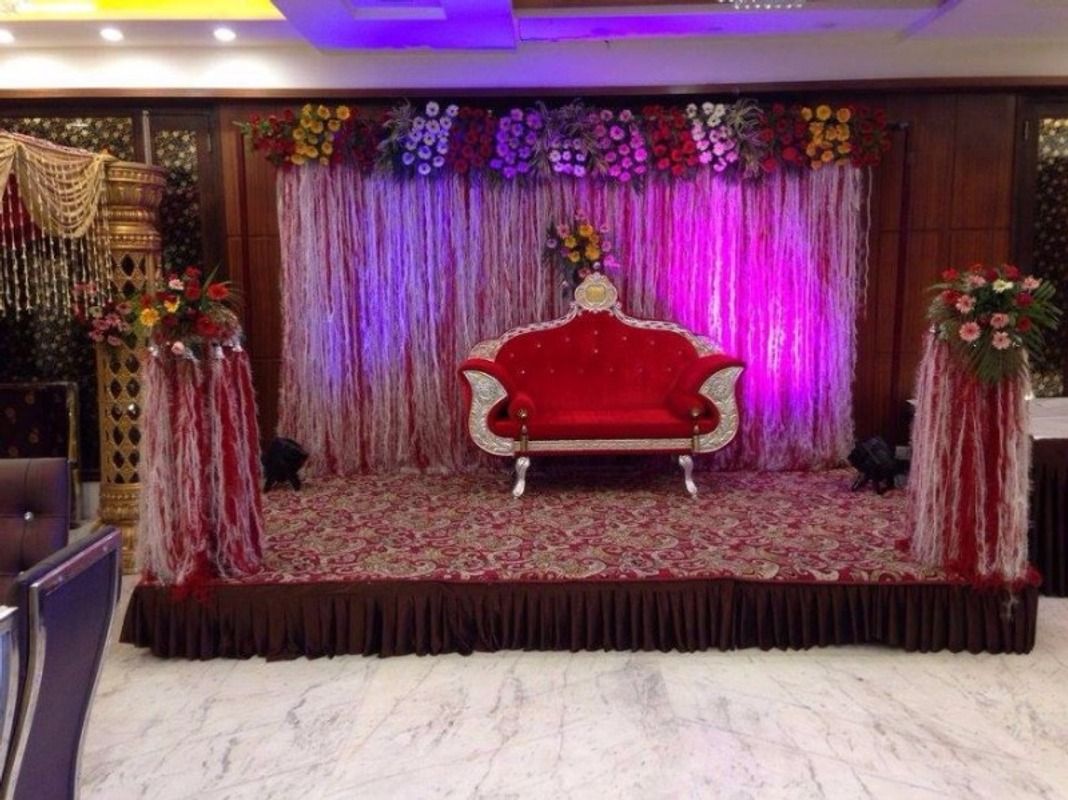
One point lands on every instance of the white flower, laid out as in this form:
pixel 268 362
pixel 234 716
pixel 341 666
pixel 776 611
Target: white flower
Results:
pixel 438 161
pixel 433 126
pixel 691 110
pixel 424 168
pixel 707 107
pixel 174 283
pixel 429 139
pixel 445 123
pixel 408 159
pixel 418 124
pixel 452 110
pixel 443 147
pixel 1001 285
pixel 432 109
pixel 178 349
pixel 1031 283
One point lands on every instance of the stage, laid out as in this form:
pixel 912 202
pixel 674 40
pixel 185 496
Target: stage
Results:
pixel 613 557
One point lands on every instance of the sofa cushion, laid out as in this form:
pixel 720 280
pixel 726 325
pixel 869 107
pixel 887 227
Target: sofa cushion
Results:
pixel 600 423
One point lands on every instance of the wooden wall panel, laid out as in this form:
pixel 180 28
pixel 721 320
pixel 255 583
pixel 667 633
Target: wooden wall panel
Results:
pixel 985 144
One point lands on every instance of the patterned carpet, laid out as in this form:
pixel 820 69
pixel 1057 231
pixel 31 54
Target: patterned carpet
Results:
pixel 595 525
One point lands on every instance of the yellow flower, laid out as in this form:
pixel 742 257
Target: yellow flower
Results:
pixel 574 256
pixel 299 134
pixel 585 229
pixel 815 128
pixel 843 115
pixel 317 126
pixel 592 253
pixel 149 317
pixel 810 151
pixel 845 147
pixel 171 305
pixel 324 161
pixel 334 124
pixel 305 122
pixel 570 241
pixel 823 113
pixel 311 152
pixel 806 113
pixel 297 159
pixel 306 109
pixel 328 136
pixel 343 112
pixel 326 148
pixel 831 133
pixel 323 112
pixel 827 156
pixel 843 132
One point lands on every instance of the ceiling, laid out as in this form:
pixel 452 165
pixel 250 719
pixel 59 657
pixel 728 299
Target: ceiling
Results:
pixel 536 43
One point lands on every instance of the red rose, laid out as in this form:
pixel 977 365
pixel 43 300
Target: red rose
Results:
pixel 663 164
pixel 287 115
pixel 192 291
pixel 217 291
pixel 255 119
pixel 975 268
pixel 1023 324
pixel 170 321
pixel 205 326
pixel 991 274
pixel 1011 272
pixel 769 164
pixel 192 272
pixel 789 154
pixel 950 297
pixel 1024 299
pixel 950 275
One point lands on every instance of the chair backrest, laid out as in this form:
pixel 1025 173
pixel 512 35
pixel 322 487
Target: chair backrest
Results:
pixel 9 676
pixel 66 607
pixel 34 515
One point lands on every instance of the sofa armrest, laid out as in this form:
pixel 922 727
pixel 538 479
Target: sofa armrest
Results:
pixel 487 386
pixel 685 396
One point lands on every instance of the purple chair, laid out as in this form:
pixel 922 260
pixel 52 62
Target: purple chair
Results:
pixel 34 515
pixel 66 607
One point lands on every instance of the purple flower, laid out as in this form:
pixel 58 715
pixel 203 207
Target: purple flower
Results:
pixel 624 176
pixel 606 115
pixel 600 131
pixel 616 133
pixel 509 172
pixel 408 159
pixel 424 153
pixel 523 167
pixel 610 156
pixel 640 155
pixel 516 114
pixel 424 168
pixel 495 163
pixel 580 171
pixel 623 150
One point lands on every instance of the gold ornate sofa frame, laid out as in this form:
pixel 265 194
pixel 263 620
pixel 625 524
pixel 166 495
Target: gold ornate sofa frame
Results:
pixel 597 295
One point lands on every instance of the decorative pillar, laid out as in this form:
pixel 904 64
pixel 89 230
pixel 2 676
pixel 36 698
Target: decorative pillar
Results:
pixel 132 213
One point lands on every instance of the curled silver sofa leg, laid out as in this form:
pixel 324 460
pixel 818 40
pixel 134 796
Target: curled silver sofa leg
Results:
pixel 521 465
pixel 686 462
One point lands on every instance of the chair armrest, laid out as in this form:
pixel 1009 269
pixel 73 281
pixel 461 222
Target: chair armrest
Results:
pixel 491 368
pixel 487 387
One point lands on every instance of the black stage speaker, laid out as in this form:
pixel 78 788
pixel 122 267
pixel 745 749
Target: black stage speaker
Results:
pixel 875 462
pixel 282 462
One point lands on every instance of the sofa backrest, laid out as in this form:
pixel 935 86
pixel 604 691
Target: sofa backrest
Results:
pixel 596 360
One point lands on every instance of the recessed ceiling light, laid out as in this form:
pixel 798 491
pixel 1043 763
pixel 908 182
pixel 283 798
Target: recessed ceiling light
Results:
pixel 6 37
pixel 111 34
pixel 225 34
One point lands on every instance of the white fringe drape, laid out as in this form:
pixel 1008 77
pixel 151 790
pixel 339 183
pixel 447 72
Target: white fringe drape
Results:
pixel 968 481
pixel 388 283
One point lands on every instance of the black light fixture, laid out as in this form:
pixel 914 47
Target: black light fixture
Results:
pixel 282 462
pixel 875 464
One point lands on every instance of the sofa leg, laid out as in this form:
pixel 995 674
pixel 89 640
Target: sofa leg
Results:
pixel 521 465
pixel 686 462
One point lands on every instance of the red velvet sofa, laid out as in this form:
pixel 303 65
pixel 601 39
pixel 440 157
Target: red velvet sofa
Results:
pixel 598 381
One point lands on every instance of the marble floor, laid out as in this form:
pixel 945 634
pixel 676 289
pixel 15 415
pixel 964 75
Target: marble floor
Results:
pixel 839 723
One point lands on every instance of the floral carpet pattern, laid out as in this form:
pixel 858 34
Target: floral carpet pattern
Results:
pixel 590 526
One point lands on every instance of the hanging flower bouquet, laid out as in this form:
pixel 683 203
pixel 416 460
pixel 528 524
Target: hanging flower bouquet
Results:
pixel 992 317
pixel 621 146
pixel 187 314
pixel 789 135
pixel 748 127
pixel 471 140
pixel 571 141
pixel 674 153
pixel 518 143
pixel 715 144
pixel 871 138
pixel 579 249
pixel 417 143
pixel 829 135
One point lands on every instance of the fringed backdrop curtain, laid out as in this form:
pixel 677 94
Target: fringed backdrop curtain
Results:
pixel 52 225
pixel 388 283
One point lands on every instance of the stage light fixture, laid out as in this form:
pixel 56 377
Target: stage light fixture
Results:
pixel 875 464
pixel 282 462
pixel 6 37
pixel 111 34
pixel 224 34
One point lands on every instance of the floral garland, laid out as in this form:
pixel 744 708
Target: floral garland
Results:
pixel 741 139
pixel 992 317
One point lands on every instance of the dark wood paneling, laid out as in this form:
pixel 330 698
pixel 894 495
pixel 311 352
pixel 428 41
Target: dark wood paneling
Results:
pixel 984 146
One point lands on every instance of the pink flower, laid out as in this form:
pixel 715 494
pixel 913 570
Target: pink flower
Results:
pixel 976 281
pixel 999 320
pixel 969 331
pixel 965 303
pixel 1001 340
pixel 178 349
pixel 1030 283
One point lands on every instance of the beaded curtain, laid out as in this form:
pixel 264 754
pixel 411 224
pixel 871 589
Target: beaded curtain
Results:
pixel 388 283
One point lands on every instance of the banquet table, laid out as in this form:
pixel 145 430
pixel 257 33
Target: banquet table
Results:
pixel 1048 533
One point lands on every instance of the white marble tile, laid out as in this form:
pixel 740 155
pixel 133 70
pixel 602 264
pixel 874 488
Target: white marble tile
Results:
pixel 842 722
